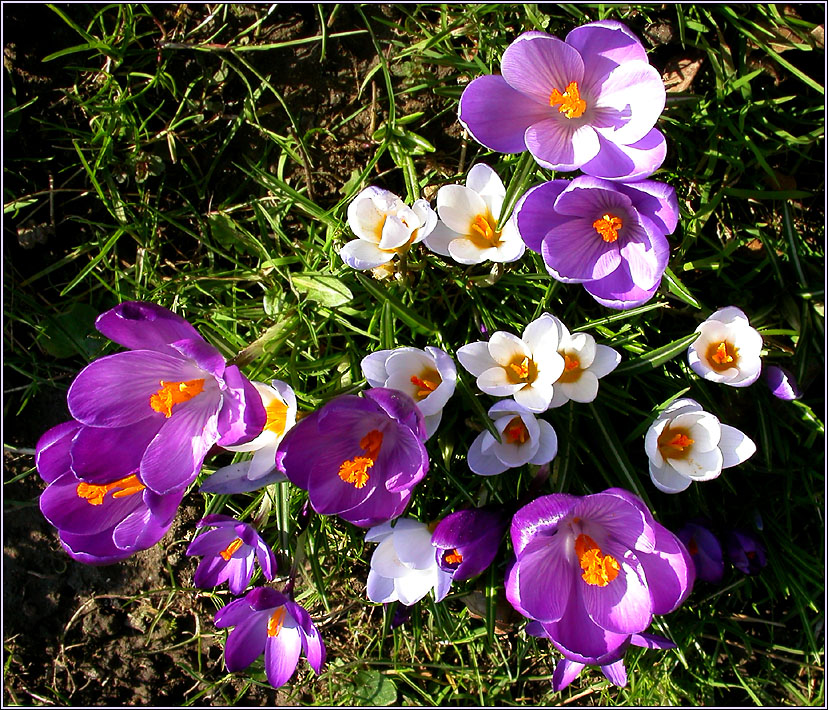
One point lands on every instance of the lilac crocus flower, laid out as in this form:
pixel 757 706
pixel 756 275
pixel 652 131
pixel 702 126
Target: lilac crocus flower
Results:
pixel 268 621
pixel 98 524
pixel 594 569
pixel 745 552
pixel 229 552
pixel 159 407
pixel 589 103
pixel 467 541
pixel 782 383
pixel 612 665
pixel 608 236
pixel 705 549
pixel 358 457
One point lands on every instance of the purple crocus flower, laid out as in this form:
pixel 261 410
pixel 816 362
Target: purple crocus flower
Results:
pixel 159 407
pixel 589 102
pixel 268 621
pixel 593 570
pixel 98 524
pixel 358 457
pixel 745 551
pixel 612 666
pixel 608 236
pixel 229 552
pixel 782 383
pixel 467 541
pixel 705 549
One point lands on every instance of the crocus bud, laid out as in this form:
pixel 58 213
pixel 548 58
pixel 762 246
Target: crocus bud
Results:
pixel 782 383
pixel 745 551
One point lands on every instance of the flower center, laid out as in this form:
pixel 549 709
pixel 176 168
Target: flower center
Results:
pixel 571 103
pixel 599 570
pixel 572 369
pixel 228 551
pixel 172 393
pixel 723 355
pixel 482 232
pixel 452 557
pixel 692 547
pixel 276 621
pixel 276 416
pixel 516 432
pixel 522 370
pixel 428 381
pixel 355 470
pixel 94 494
pixel 674 443
pixel 607 226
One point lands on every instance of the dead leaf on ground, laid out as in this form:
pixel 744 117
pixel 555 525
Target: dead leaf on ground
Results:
pixel 680 72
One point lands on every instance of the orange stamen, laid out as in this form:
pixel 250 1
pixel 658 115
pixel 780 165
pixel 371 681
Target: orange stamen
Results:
pixel 172 393
pixel 228 551
pixel 608 227
pixel 482 233
pixel 94 493
pixel 276 416
pixel 722 356
pixel 516 432
pixel 571 103
pixel 355 470
pixel 672 443
pixel 521 369
pixel 428 381
pixel 276 621
pixel 599 570
pixel 453 558
pixel 680 442
pixel 571 363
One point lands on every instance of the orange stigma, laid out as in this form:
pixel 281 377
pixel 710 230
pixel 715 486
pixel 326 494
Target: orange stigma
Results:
pixel 453 558
pixel 599 570
pixel 172 393
pixel 94 494
pixel 571 103
pixel 276 621
pixel 608 227
pixel 428 381
pixel 673 443
pixel 355 470
pixel 228 551
pixel 516 432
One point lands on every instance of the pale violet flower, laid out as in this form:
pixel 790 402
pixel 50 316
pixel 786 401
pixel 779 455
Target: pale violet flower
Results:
pixel 467 231
pixel 584 363
pixel 280 405
pixel 524 368
pixel 523 439
pixel 404 566
pixel 428 376
pixel 686 444
pixel 385 226
pixel 727 349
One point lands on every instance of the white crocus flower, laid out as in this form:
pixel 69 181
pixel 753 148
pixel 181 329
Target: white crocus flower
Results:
pixel 280 407
pixel 686 444
pixel 523 439
pixel 404 567
pixel 467 230
pixel 524 368
pixel 584 363
pixel 428 376
pixel 727 349
pixel 385 226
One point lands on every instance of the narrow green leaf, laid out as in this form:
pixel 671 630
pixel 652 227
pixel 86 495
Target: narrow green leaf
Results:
pixel 677 288
pixel 406 314
pixel 323 288
pixel 520 182
pixel 656 357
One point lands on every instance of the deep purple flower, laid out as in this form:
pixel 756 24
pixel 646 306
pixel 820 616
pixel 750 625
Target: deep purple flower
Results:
pixel 467 541
pixel 782 383
pixel 590 102
pixel 608 236
pixel 358 457
pixel 594 569
pixel 705 549
pixel 268 621
pixel 745 551
pixel 612 666
pixel 98 523
pixel 229 551
pixel 159 407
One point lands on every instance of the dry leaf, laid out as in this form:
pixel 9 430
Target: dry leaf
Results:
pixel 679 73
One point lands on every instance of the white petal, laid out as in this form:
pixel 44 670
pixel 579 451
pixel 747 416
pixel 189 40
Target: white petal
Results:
pixel 414 548
pixel 465 251
pixel 705 431
pixel 368 210
pixel 362 255
pixel 506 348
pixel 506 406
pixel 263 462
pixel 584 345
pixel 605 361
pixel 667 479
pixel 378 532
pixel 495 382
pixel 486 183
pixel 651 441
pixel 584 389
pixel 475 357
pixel 699 465
pixel 427 219
pixel 559 398
pixel 440 238
pixel 547 443
pixel 432 423
pixel 680 406
pixel 380 589
pixel 536 399
pixel 396 232
pixel 481 463
pixel 373 367
pixel 543 335
pixel 385 560
pixel 415 585
pixel 736 447
pixel 457 206
pixel 729 314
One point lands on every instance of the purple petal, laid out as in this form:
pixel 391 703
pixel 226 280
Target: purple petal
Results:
pixel 144 326
pixel 399 406
pixel 576 251
pixel 234 613
pixel 535 212
pixel 282 655
pixel 541 515
pixel 163 508
pixel 565 672
pixel 174 457
pixel 535 64
pixel 745 552
pixel 93 549
pixel 654 200
pixel 618 290
pixel 312 645
pixel 52 451
pixel 102 455
pixel 669 571
pixel 558 143
pixel 467 527
pixel 546 576
pixel 781 382
pixel 502 131
pixel 647 640
pixel 246 642
pixel 380 507
pixel 642 257
pixel 616 673
pixel 330 494
pixel 211 542
pixel 628 162
pixel 705 550
pixel 586 196
pixel 292 455
pixel 115 390
pixel 242 416
pixel 636 90
pixel 603 46
pixel 239 572
pixel 612 514
pixel 204 355
pixel 139 531
pixel 402 463
pixel 234 479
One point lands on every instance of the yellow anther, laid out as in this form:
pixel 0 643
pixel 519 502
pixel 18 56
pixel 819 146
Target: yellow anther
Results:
pixel 228 551
pixel 607 226
pixel 276 621
pixel 94 494
pixel 355 470
pixel 571 103
pixel 172 393
pixel 598 569
pixel 521 369
pixel 516 431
